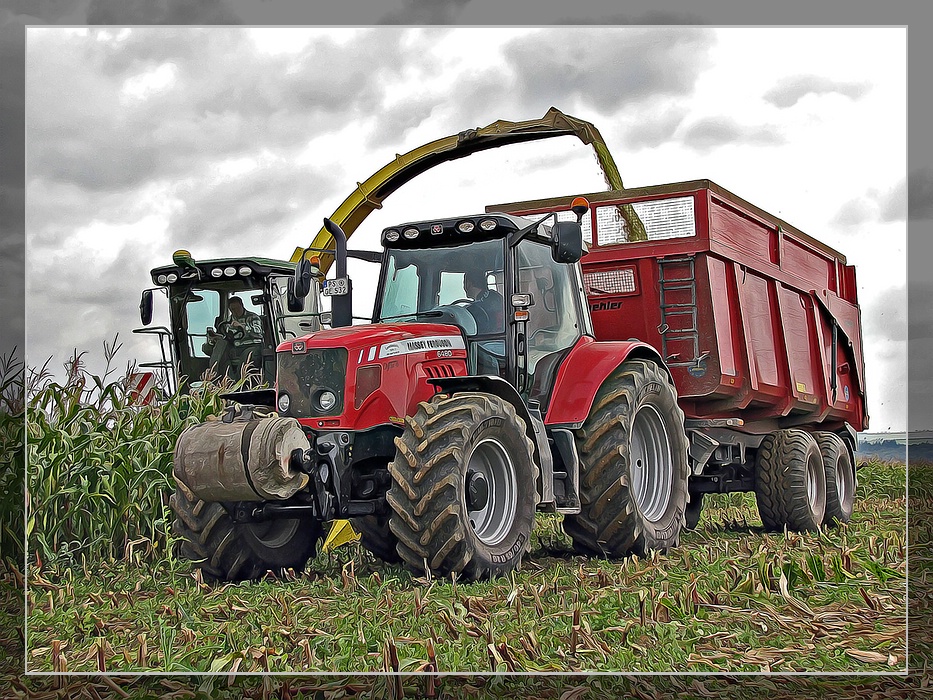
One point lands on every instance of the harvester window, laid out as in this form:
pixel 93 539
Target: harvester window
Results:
pixel 202 310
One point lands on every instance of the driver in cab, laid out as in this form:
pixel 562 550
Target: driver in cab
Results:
pixel 487 304
pixel 236 341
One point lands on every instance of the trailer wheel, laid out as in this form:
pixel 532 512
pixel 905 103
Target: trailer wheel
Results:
pixel 840 478
pixel 225 550
pixel 633 466
pixel 463 488
pixel 376 536
pixel 790 482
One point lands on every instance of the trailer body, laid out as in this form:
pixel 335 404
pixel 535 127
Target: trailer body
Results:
pixel 756 320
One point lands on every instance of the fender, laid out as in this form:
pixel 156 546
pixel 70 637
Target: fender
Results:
pixel 584 370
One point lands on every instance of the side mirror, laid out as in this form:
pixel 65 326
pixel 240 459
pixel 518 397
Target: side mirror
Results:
pixel 303 275
pixel 568 242
pixel 145 307
pixel 294 302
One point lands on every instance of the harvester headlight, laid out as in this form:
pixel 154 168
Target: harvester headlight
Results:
pixel 488 224
pixel 326 400
pixel 245 271
pixel 410 233
pixel 284 403
pixel 217 272
pixel 392 236
pixel 161 279
pixel 171 277
pixel 230 271
pixel 465 226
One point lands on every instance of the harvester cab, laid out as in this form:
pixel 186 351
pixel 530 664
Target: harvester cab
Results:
pixel 206 331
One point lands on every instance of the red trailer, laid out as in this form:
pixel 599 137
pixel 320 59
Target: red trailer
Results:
pixel 757 321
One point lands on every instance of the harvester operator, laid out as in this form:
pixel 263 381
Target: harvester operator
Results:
pixel 236 341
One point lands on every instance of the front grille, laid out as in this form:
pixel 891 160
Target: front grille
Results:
pixel 437 371
pixel 305 377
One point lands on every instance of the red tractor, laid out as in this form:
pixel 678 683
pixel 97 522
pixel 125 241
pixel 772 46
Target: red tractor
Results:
pixel 478 396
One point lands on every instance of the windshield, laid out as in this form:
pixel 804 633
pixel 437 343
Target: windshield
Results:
pixel 463 285
pixel 291 324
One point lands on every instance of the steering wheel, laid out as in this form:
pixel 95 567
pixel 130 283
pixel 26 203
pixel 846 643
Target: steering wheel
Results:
pixel 460 301
pixel 229 331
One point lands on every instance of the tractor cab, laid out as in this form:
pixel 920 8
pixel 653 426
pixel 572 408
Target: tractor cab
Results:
pixel 502 280
pixel 223 315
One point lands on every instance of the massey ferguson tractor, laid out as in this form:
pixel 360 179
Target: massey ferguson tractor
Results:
pixel 703 346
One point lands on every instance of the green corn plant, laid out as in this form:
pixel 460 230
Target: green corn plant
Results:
pixel 12 404
pixel 98 466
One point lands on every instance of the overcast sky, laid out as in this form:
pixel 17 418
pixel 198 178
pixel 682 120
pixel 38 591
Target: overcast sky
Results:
pixel 230 141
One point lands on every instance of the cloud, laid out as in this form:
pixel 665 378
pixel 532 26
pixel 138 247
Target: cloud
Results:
pixel 874 206
pixel 790 90
pixel 711 132
pixel 654 129
pixel 608 68
pixel 125 12
pixel 885 317
pixel 426 12
pixel 920 194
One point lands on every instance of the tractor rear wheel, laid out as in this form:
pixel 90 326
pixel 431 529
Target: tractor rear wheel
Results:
pixel 225 550
pixel 633 465
pixel 376 536
pixel 840 478
pixel 463 487
pixel 790 482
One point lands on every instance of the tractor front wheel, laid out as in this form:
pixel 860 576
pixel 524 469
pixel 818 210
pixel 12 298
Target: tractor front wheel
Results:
pixel 633 466
pixel 225 550
pixel 463 488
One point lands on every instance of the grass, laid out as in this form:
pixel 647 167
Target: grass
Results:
pixel 730 599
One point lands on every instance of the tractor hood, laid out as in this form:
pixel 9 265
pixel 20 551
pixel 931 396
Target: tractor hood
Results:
pixel 380 340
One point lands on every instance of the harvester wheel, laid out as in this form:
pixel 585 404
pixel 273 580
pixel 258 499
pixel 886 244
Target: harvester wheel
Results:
pixel 633 466
pixel 463 488
pixel 790 482
pixel 225 550
pixel 840 478
pixel 376 536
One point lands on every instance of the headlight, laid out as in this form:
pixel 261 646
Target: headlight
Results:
pixel 284 403
pixel 217 272
pixel 410 233
pixel 230 271
pixel 488 224
pixel 326 400
pixel 245 271
pixel 171 278
pixel 161 279
pixel 465 226
pixel 392 236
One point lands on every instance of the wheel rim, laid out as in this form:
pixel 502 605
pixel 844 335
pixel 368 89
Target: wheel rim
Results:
pixel 492 520
pixel 812 483
pixel 273 533
pixel 652 466
pixel 842 482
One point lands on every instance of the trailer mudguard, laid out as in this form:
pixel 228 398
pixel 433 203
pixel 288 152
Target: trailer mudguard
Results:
pixel 584 370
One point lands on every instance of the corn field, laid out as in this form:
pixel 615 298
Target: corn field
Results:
pixel 99 465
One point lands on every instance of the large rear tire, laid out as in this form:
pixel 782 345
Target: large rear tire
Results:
pixel 376 537
pixel 463 488
pixel 633 466
pixel 225 550
pixel 840 478
pixel 790 483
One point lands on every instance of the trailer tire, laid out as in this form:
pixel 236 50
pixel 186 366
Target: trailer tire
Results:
pixel 790 482
pixel 463 488
pixel 376 537
pixel 626 507
pixel 225 550
pixel 840 478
